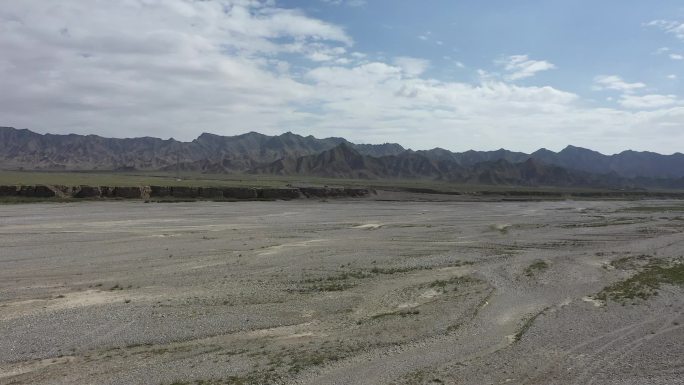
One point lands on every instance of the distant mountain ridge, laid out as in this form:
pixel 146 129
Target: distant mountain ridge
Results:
pixel 344 161
pixel 22 148
pixel 292 154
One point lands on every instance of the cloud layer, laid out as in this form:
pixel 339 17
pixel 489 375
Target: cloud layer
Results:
pixel 178 68
pixel 521 67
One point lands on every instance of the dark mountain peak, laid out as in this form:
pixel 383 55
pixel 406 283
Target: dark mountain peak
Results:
pixel 437 153
pixel 250 134
pixel 8 128
pixel 629 152
pixel 344 149
pixel 642 153
pixel 570 149
pixel 289 134
pixel 543 151
pixel 207 135
pixel 18 131
pixel 290 153
pixel 378 150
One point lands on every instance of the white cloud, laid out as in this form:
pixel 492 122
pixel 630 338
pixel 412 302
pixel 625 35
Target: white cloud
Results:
pixel 521 67
pixel 178 68
pixel 427 112
pixel 614 82
pixel 425 36
pixel 162 66
pixel 676 56
pixel 348 3
pixel 320 56
pixel 412 66
pixel 359 77
pixel 672 27
pixel 672 76
pixel 322 53
pixel 648 101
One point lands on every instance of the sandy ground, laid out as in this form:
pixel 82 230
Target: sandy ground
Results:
pixel 337 292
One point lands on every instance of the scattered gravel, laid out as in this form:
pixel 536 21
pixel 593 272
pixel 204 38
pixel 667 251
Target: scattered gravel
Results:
pixel 339 292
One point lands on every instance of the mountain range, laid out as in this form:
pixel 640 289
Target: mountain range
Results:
pixel 291 154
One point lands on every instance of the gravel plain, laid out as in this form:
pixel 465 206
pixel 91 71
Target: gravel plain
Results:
pixel 339 292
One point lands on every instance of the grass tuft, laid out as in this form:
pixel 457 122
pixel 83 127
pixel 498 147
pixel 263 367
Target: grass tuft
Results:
pixel 644 284
pixel 536 267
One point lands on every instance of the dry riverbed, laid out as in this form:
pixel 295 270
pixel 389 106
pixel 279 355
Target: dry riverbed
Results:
pixel 342 292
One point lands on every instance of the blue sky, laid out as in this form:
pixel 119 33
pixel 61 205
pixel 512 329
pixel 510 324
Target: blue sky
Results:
pixel 455 74
pixel 582 38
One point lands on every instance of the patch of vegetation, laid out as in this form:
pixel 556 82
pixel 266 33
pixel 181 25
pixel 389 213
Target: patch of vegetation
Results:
pixel 303 361
pixel 248 379
pixel 527 325
pixel 606 222
pixel 536 267
pixel 454 281
pixel 326 286
pixel 401 313
pixel 421 376
pixel 395 270
pixel 199 179
pixel 644 284
pixel 652 209
pixel 416 377
pixel 356 274
pixel 498 249
pixel 631 262
pixel 335 282
pixel 118 287
pixel 293 361
pixel 23 200
pixel 157 351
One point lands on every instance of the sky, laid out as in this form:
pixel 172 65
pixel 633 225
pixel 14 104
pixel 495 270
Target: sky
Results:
pixel 455 74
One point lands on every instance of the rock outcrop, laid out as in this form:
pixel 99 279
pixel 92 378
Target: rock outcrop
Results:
pixel 333 192
pixel 279 193
pixel 9 191
pixel 179 192
pixel 87 192
pixel 36 192
pixel 240 193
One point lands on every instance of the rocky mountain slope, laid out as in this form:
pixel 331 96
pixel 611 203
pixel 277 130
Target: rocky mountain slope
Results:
pixel 208 153
pixel 291 154
pixel 344 161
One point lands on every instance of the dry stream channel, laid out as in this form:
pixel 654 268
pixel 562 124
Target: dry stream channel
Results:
pixel 342 292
